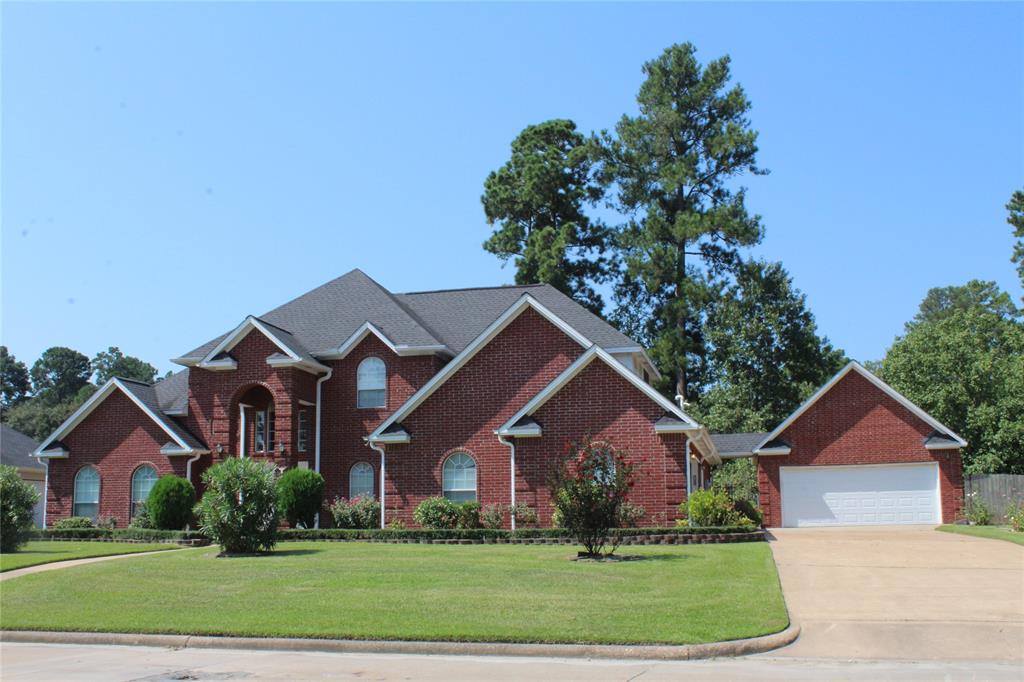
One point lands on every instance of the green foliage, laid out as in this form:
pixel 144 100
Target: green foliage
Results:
pixel 589 489
pixel 749 510
pixel 674 167
pixel 17 499
pixel 1015 516
pixel 631 514
pixel 524 514
pixel 14 384
pixel 442 513
pixel 73 522
pixel 38 418
pixel 485 534
pixel 239 508
pixel 764 354
pixel 1015 218
pixel 59 374
pixel 941 302
pixel 536 201
pixel 141 520
pixel 737 478
pixel 360 512
pixel 965 369
pixel 170 502
pixel 300 496
pixel 113 363
pixel 976 512
pixel 492 516
pixel 713 508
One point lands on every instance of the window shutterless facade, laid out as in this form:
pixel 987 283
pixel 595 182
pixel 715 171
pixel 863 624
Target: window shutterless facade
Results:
pixel 87 493
pixel 142 483
pixel 459 478
pixel 263 436
pixel 302 434
pixel 371 383
pixel 360 481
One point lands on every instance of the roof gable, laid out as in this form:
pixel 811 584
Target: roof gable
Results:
pixel 459 361
pixel 145 397
pixel 763 446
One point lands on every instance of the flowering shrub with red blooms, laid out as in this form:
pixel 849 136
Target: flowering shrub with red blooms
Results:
pixel 589 489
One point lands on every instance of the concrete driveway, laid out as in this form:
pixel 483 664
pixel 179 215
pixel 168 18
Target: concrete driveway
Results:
pixel 901 592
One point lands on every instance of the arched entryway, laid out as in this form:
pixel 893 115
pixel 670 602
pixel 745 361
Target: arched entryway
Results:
pixel 255 432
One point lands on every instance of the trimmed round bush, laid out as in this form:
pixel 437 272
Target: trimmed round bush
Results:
pixel 362 512
pixel 73 522
pixel 17 498
pixel 239 508
pixel 170 502
pixel 300 495
pixel 437 512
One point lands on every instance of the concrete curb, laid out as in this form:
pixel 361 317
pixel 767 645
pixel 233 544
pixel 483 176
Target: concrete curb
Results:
pixel 739 647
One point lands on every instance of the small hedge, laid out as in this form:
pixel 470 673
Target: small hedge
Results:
pixel 120 535
pixel 293 534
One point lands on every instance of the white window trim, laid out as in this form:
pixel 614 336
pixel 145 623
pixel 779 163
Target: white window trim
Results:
pixel 476 475
pixel 384 404
pixel 131 494
pixel 373 479
pixel 99 490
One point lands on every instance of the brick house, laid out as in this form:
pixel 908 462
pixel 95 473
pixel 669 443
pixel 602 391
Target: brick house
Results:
pixel 471 394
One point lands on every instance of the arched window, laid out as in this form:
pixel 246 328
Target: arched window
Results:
pixel 459 478
pixel 87 493
pixel 360 481
pixel 371 381
pixel 142 482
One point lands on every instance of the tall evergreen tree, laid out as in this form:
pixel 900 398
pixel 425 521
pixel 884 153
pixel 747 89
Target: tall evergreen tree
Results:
pixel 113 363
pixel 14 383
pixel 1016 221
pixel 536 201
pixel 673 168
pixel 59 374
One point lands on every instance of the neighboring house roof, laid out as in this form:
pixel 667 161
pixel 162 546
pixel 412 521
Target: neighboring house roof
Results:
pixel 16 449
pixel 732 445
pixel 146 397
pixel 767 446
pixel 347 308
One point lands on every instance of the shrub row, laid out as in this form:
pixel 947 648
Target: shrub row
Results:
pixel 121 535
pixel 293 534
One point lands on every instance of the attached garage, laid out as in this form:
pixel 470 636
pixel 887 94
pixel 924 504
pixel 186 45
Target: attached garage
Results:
pixel 858 453
pixel 865 495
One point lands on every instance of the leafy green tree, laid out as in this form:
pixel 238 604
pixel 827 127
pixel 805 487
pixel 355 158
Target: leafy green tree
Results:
pixel 114 363
pixel 674 169
pixel 764 352
pixel 1016 221
pixel 239 511
pixel 59 374
pixel 940 302
pixel 300 496
pixel 536 201
pixel 17 500
pixel 14 383
pixel 966 369
pixel 38 418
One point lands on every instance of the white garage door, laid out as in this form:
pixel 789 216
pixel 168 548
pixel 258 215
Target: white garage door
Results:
pixel 860 495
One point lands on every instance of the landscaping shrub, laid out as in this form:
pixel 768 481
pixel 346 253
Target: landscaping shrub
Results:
pixel 589 488
pixel 524 514
pixel 713 508
pixel 361 512
pixel 630 515
pixel 749 511
pixel 467 515
pixel 239 508
pixel 738 479
pixel 493 516
pixel 300 495
pixel 74 522
pixel 142 519
pixel 399 532
pixel 1015 516
pixel 437 512
pixel 17 499
pixel 976 512
pixel 170 502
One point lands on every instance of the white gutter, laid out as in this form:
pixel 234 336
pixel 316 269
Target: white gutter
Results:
pixel 188 467
pixel 689 521
pixel 241 429
pixel 46 484
pixel 512 477
pixel 316 448
pixel 380 449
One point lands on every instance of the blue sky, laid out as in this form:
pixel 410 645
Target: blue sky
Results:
pixel 169 168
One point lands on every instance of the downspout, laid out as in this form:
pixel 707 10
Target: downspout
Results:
pixel 242 434
pixel 686 453
pixel 380 449
pixel 46 484
pixel 188 467
pixel 316 447
pixel 512 477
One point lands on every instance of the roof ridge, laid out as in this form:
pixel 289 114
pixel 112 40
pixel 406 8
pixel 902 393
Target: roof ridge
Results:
pixel 271 324
pixel 405 309
pixel 134 381
pixel 481 288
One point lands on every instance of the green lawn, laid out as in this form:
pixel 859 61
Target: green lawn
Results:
pixel 520 593
pixel 48 551
pixel 990 532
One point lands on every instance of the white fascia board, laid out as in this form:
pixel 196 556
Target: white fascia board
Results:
pixel 224 364
pixel 186 362
pixel 531 431
pixel 854 366
pixel 305 365
pixel 402 437
pixel 637 350
pixel 943 446
pixel 570 372
pixel 674 428
pixel 54 453
pixel 735 455
pixel 772 452
pixel 306 403
pixel 239 333
pixel 92 403
pixel 367 328
pixel 525 301
pixel 172 450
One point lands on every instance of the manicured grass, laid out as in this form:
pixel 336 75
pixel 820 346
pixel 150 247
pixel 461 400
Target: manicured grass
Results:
pixel 48 551
pixel 521 593
pixel 990 532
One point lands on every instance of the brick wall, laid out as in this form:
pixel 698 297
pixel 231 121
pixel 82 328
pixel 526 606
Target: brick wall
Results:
pixel 857 423
pixel 116 438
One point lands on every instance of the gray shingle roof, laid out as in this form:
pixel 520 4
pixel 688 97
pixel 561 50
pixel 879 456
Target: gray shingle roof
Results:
pixel 322 319
pixel 147 394
pixel 16 448
pixel 734 443
pixel 172 392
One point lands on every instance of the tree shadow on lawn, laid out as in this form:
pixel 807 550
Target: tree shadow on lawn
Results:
pixel 270 554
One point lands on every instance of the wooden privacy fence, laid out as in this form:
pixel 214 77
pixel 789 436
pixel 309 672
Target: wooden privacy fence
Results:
pixel 995 491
